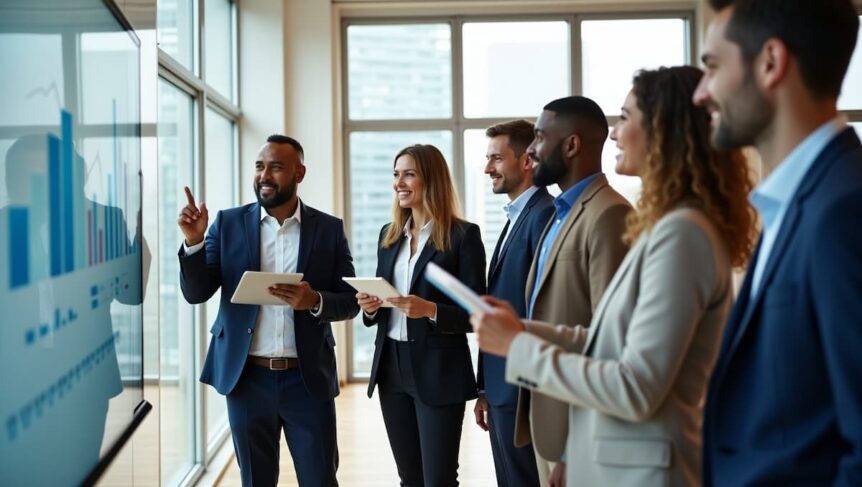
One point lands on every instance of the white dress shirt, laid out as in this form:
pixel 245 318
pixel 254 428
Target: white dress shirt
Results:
pixel 274 334
pixel 773 196
pixel 402 275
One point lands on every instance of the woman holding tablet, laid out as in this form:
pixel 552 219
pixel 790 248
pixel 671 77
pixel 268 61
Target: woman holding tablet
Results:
pixel 421 359
pixel 636 378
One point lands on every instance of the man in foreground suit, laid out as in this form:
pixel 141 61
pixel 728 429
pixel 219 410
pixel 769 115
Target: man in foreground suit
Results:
pixel 784 404
pixel 578 253
pixel 528 211
pixel 275 364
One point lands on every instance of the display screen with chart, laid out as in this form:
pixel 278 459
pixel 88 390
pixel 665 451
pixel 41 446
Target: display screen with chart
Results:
pixel 71 379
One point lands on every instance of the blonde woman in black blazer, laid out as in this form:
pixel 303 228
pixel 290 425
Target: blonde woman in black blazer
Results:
pixel 421 360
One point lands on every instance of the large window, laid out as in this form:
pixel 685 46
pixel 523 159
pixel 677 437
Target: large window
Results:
pixel 197 133
pixel 444 81
pixel 850 101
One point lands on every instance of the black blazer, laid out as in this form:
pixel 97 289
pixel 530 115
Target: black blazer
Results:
pixel 506 280
pixel 439 354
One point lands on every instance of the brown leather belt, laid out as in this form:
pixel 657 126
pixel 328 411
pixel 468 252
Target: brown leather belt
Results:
pixel 274 363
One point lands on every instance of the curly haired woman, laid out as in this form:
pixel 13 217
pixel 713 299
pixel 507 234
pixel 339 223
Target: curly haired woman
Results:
pixel 636 377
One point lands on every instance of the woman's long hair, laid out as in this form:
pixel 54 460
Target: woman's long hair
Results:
pixel 682 167
pixel 438 197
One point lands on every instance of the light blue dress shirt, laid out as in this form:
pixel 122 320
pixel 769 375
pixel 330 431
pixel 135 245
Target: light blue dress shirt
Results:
pixel 563 204
pixel 514 209
pixel 773 196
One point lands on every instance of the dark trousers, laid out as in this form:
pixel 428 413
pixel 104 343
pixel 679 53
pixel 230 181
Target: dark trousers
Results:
pixel 424 439
pixel 262 404
pixel 515 467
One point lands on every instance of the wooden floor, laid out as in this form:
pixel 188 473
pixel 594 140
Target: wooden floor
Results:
pixel 365 457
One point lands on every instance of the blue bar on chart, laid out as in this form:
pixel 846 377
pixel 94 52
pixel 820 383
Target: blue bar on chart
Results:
pixel 19 273
pixel 68 193
pixel 54 205
pixel 38 219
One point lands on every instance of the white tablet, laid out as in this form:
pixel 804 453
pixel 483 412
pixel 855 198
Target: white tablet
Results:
pixel 455 289
pixel 253 288
pixel 374 286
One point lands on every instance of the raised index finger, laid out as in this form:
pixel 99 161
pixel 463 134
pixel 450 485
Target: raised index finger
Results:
pixel 189 197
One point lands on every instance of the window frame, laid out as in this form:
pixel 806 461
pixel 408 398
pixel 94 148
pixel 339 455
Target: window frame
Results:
pixel 457 123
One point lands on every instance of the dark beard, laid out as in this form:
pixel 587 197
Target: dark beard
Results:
pixel 744 118
pixel 281 196
pixel 551 170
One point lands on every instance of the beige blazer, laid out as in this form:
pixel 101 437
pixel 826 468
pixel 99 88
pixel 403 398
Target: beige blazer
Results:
pixel 580 264
pixel 635 379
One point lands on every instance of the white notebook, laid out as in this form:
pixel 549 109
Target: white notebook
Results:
pixel 374 286
pixel 455 289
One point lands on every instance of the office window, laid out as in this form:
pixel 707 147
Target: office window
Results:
pixel 175 30
pixel 178 377
pixel 220 193
pixel 219 46
pixel 444 81
pixel 613 50
pixel 399 71
pixel 510 68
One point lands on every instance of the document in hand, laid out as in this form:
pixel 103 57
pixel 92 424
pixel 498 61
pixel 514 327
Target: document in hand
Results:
pixel 455 289
pixel 253 287
pixel 374 286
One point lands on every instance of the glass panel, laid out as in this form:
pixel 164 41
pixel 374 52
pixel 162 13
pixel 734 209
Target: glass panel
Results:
pixel 220 181
pixel 483 206
pixel 218 47
pixel 851 92
pixel 37 91
pixel 610 62
pixel 399 71
pixel 175 30
pixel 178 377
pixel 514 68
pixel 628 186
pixel 372 155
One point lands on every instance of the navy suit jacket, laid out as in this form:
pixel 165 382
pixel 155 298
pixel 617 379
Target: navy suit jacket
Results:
pixel 439 354
pixel 784 405
pixel 507 280
pixel 232 246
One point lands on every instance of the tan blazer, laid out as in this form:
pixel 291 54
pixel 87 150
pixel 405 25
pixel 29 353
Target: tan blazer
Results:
pixel 635 379
pixel 584 256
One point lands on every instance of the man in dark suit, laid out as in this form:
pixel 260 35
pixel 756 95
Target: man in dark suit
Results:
pixel 784 405
pixel 275 364
pixel 528 211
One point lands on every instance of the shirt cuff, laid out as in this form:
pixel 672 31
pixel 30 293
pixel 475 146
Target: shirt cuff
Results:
pixel 319 311
pixel 434 318
pixel 370 316
pixel 193 249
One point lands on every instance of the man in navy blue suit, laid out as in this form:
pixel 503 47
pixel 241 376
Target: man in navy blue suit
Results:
pixel 275 364
pixel 784 405
pixel 527 213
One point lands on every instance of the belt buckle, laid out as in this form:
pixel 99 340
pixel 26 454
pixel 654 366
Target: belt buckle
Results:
pixel 273 361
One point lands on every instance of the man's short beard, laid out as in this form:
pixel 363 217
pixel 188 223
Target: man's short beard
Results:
pixel 742 127
pixel 281 197
pixel 551 170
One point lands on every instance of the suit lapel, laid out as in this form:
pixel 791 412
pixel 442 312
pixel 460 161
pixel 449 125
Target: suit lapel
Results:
pixel 388 255
pixel 423 259
pixel 524 216
pixel 252 236
pixel 843 142
pixel 307 228
pixel 577 210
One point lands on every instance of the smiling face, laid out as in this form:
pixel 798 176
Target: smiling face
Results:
pixel 546 151
pixel 407 183
pixel 504 167
pixel 278 171
pixel 739 111
pixel 631 139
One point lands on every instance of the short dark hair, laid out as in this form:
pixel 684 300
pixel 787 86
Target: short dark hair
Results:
pixel 284 139
pixel 821 34
pixel 520 132
pixel 580 111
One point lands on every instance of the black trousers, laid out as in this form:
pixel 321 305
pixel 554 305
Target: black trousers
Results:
pixel 424 439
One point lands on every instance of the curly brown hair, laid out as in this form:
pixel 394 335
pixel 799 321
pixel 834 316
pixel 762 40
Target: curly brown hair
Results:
pixel 682 167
